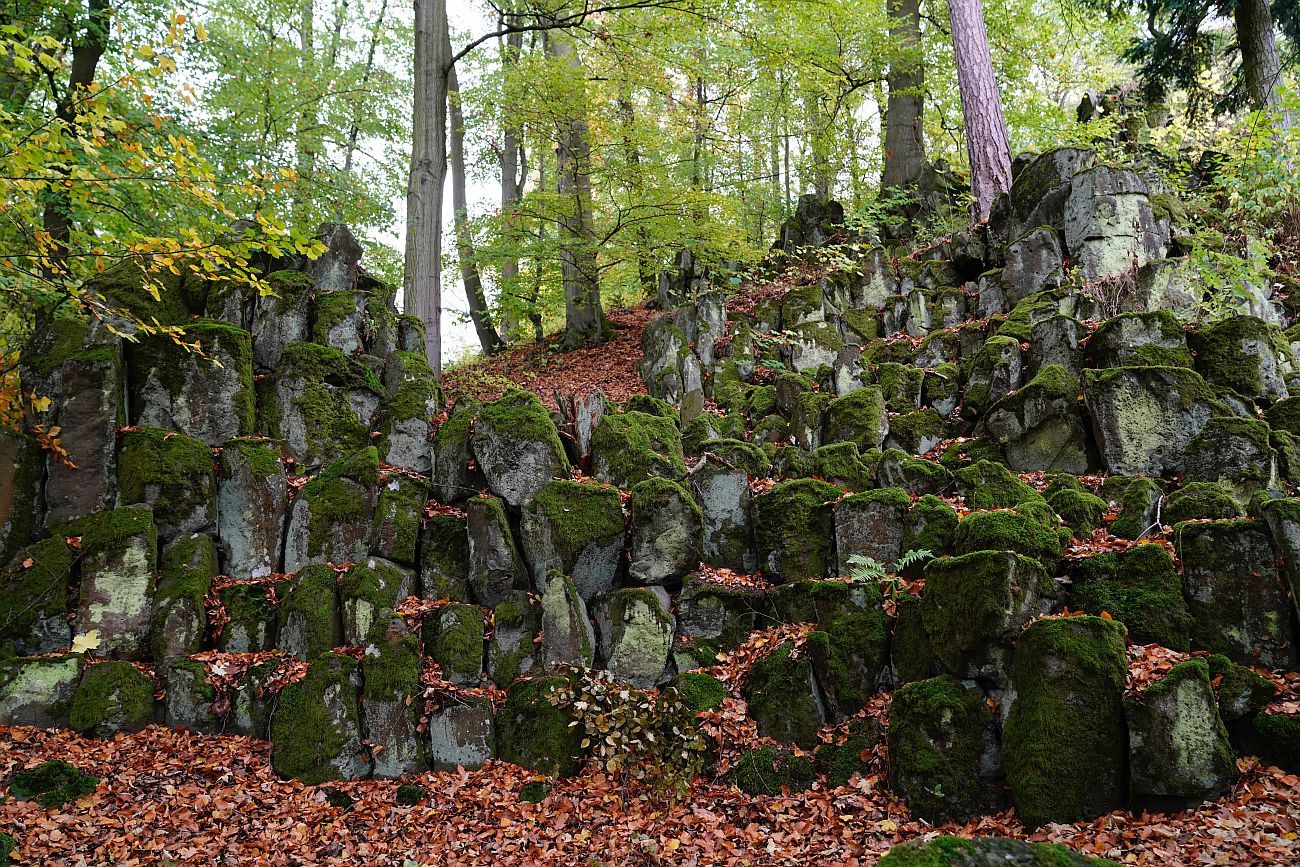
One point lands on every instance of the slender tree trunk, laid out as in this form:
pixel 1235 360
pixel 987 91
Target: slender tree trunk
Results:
pixel 1260 62
pixel 86 53
pixel 584 318
pixel 304 138
pixel 488 338
pixel 632 153
pixel 904 131
pixel 422 289
pixel 510 187
pixel 981 106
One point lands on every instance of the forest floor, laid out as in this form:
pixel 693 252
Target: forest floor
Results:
pixel 173 798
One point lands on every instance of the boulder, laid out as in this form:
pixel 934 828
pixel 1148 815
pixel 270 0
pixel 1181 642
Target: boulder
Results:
pixel 665 532
pixel 456 475
pixel 1140 588
pixel 1056 340
pixel 309 624
pixel 280 319
pixel 1035 262
pixel 496 571
pixel 871 525
pixel 332 517
pixel 1239 692
pixel 316 733
pixel 1110 227
pixel 454 638
pixel 1023 531
pixel 1155 339
pixel 717 615
pixel 630 447
pixel 398 513
pixel 390 710
pixel 339 321
pixel 252 503
pixel 773 771
pixel 179 618
pixel 189 699
pixel 320 404
pixel 993 373
pixel 636 634
pixel 36 692
pixel 984 852
pixel 793 529
pixel 988 485
pixel 534 728
pixel 112 697
pixel 517 447
pixel 1247 355
pixel 848 653
pixel 944 757
pixel 251 612
pixel 1039 190
pixel 859 418
pixel 512 651
pixel 462 735
pixel 34 598
pixel 1064 733
pixel 1236 454
pixel 172 474
pixel 1178 747
pixel 119 555
pixel 369 593
pixel 413 399
pixel 567 636
pixel 783 698
pixel 575 528
pixel 444 557
pixel 1039 426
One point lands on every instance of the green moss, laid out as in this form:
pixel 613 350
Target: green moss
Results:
pixel 171 472
pixel 106 531
pixel 337 496
pixel 1239 690
pixel 534 731
pixel 1223 360
pixel 521 616
pixel 782 699
pixel 938 736
pixel 1285 415
pixel 534 792
pixel 839 762
pixel 987 485
pixel 29 594
pixel 960 851
pixel 394 675
pixel 840 465
pixel 1080 510
pixel 913 429
pixel 847 656
pixel 252 616
pixel 858 417
pixel 311 596
pixel 184 579
pixel 742 455
pixel 291 286
pixel 64 338
pixel 124 286
pixel 1275 738
pixel 767 771
pixel 330 423
pixel 415 391
pixel 456 643
pixel 931 526
pixel 579 513
pixel 332 309
pixel 305 734
pixel 792 531
pixel 52 784
pixel 963 453
pixel 520 415
pixel 901 386
pixel 792 462
pixel 258 453
pixel 699 691
pixel 883 351
pixel 633 446
pixel 374 582
pixel 651 406
pixel 864 324
pixel 1064 737
pixel 444 558
pixel 1138 508
pixel 1008 531
pixel 112 693
pixel 1199 500
pixel 1140 588
pixel 1107 340
pixel 398 515
pixel 761 402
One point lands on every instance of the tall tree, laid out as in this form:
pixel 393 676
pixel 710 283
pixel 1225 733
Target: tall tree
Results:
pixel 1261 65
pixel 422 287
pixel 904 130
pixel 981 106
pixel 512 156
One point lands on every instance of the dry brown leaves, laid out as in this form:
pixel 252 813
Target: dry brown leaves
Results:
pixel 171 796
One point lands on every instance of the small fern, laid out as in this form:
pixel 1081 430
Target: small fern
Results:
pixel 863 569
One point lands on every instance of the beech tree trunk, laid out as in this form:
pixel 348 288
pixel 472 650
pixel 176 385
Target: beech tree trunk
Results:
pixel 584 317
pixel 1260 63
pixel 488 338
pixel 422 287
pixel 510 187
pixel 981 106
pixel 904 133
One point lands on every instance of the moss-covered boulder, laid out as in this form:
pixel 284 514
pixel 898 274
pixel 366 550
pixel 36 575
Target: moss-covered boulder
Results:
pixel 1144 417
pixel 252 503
pixel 1154 339
pixel 189 699
pixel 316 733
pixel 444 560
pixel 631 447
pixel 390 709
pixel 52 784
pixel 1140 588
pixel 320 404
pixel 1282 517
pixel 456 475
pixel 413 399
pixel 369 593
pixel 398 513
pixel 717 616
pixel 720 484
pixel 1081 511
pixel 34 603
pixel 636 627
pixel 1239 691
pixel 665 532
pixel 173 475
pixel 279 319
pixel 1064 735
pixel 1142 502
pixel 794 530
pixel 112 697
pixel 496 569
pixel 1178 747
pixel 1040 426
pixel 848 654
pixel 462 734
pixel 567 634
pixel 989 485
pixel 873 525
pixel 985 852
pixel 1237 602
pixel 517 446
pixel 1245 354
pixel 700 691
pixel 974 606
pixel 454 638
pixel 251 614
pixel 512 651
pixel 783 697
pixel 769 771
pixel 37 692
pixel 332 517
pixel 931 526
pixel 1275 738
pixel 119 556
pixel 575 528
pixel 1235 453
pixel 309 623
pixel 534 728
pixel 185 575
pixel 1009 531
pixel 206 394
pixel 859 418
pixel 944 758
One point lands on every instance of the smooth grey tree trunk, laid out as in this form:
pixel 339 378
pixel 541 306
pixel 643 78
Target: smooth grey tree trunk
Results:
pixel 904 132
pixel 510 186
pixel 422 287
pixel 981 106
pixel 1261 64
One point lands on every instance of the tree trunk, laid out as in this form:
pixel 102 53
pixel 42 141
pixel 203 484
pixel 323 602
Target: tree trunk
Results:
pixel 584 318
pixel 904 132
pixel 1260 63
pixel 644 266
pixel 86 53
pixel 981 106
pixel 422 289
pixel 510 187
pixel 469 274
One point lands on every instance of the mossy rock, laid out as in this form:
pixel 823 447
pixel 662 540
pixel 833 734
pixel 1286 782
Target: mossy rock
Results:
pixel 184 579
pixel 34 598
pixel 454 638
pixel 942 751
pixel 1140 588
pixel 742 455
pixel 1275 738
pixel 1242 353
pixel 576 528
pixel 1008 531
pixel 518 447
pixel 316 727
pixel 444 561
pixel 1081 511
pixel 126 286
pixel 783 697
pixel 699 691
pixel 1285 415
pixel 1152 339
pixel 840 761
pixel 52 784
pixel 631 447
pixel 841 465
pixel 1199 501
pixel 989 485
pixel 966 451
pixel 859 418
pixel 1064 736
pixel 1239 691
pixel 171 473
pixel 534 729
pixel 768 771
pixel 793 529
pixel 848 654
pixel 1138 506
pixel 986 852
pixel 112 697
pixel 308 614
pixel 910 654
pixel 931 526
pixel 708 426
pixel 651 406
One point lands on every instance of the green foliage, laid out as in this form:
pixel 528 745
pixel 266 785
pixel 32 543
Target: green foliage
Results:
pixel 52 784
pixel 863 569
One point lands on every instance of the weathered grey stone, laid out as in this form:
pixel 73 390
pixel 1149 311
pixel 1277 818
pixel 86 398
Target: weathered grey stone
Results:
pixel 496 571
pixel 1246 355
pixel 34 598
pixel 456 476
pixel 454 638
pixel 280 319
pixel 720 615
pixel 630 447
pixel 1039 191
pixel 462 734
pixel 33 690
pixel 872 525
pixel 1235 453
pixel 390 711
pixel 320 404
pixel 721 488
pixel 413 400
pixel 1035 263
pixel 995 372
pixel 1040 427
pixel 517 447
pixel 335 270
pixel 512 652
pixel 636 634
pixel 575 528
pixel 252 499
pixel 369 592
pixel 1178 747
pixel 332 517
pixel 1152 339
pixel 340 321
pixel 174 475
pixel 119 555
pixel 814 344
pixel 1110 227
pixel 251 628
pixel 567 636
pixel 444 560
pixel 186 569
pixel 783 697
pixel 666 532
pixel 398 514
pixel 309 623
pixel 316 732
pixel 1055 340
pixel 88 414
pixel 188 701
